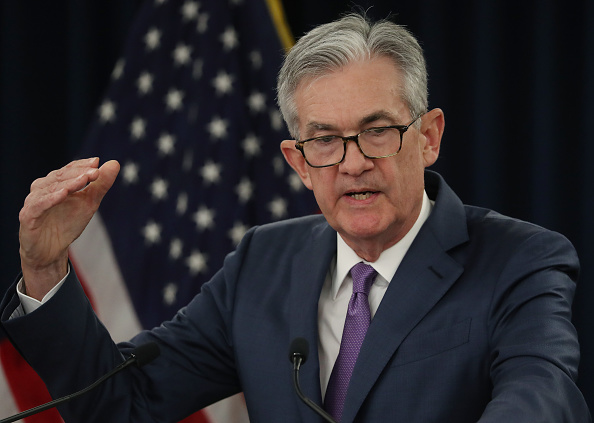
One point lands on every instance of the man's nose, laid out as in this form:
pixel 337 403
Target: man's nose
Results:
pixel 354 161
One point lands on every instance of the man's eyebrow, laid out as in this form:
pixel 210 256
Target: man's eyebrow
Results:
pixel 375 116
pixel 313 127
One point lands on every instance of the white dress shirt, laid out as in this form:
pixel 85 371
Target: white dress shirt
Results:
pixel 335 295
pixel 30 304
pixel 338 288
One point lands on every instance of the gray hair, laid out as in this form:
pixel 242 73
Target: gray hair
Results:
pixel 331 46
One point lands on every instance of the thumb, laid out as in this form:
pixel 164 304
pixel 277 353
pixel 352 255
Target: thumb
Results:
pixel 108 173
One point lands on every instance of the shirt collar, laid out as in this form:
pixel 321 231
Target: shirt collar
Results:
pixel 388 261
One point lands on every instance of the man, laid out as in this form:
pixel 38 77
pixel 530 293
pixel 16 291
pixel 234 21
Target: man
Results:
pixel 468 317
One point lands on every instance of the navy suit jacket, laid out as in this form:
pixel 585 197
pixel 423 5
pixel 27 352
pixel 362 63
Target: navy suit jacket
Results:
pixel 474 326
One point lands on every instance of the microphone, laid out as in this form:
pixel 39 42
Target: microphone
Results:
pixel 298 353
pixel 140 356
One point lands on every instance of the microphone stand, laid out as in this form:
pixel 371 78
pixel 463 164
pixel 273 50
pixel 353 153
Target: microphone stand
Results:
pixel 140 356
pixel 297 359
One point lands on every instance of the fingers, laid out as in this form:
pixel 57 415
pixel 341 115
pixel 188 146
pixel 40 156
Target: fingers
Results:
pixel 54 188
pixel 38 202
pixel 71 171
pixel 81 176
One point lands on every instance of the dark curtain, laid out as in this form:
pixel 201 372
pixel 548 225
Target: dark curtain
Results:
pixel 514 78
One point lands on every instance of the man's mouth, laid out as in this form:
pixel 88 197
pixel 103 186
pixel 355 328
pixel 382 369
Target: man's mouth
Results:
pixel 363 195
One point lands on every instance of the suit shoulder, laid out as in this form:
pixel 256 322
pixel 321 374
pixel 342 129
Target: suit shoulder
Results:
pixel 490 218
pixel 506 230
pixel 297 224
pixel 287 231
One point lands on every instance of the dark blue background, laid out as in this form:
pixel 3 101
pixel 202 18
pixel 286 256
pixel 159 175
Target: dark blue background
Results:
pixel 514 78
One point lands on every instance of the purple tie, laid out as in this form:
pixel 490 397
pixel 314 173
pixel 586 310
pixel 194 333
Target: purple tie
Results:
pixel 355 326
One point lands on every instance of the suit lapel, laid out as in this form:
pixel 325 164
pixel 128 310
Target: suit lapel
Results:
pixel 310 266
pixel 426 273
pixel 416 287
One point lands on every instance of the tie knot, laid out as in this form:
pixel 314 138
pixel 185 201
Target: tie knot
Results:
pixel 363 277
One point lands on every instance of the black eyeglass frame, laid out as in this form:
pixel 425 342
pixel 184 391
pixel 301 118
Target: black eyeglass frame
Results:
pixel 355 138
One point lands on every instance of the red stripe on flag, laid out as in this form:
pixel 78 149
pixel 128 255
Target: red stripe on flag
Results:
pixel 196 418
pixel 27 387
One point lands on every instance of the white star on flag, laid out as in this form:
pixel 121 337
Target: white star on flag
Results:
pixel 278 208
pixel 107 111
pixel 182 54
pixel 204 218
pixel 218 127
pixel 190 10
pixel 165 144
pixel 229 39
pixel 159 189
pixel 182 203
pixel 138 128
pixel 176 248
pixel 118 69
pixel 276 120
pixel 257 102
pixel 211 173
pixel 244 190
pixel 170 293
pixel 152 39
pixel 152 232
pixel 237 232
pixel 251 146
pixel 223 83
pixel 174 99
pixel 196 262
pixel 145 83
pixel 295 182
pixel 130 172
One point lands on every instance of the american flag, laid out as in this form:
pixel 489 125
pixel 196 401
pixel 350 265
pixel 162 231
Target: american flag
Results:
pixel 191 117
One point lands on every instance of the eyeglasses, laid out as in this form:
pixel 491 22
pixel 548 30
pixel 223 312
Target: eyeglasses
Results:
pixel 374 143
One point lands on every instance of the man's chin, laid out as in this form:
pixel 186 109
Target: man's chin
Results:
pixel 362 231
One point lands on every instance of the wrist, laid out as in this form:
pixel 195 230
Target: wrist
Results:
pixel 38 281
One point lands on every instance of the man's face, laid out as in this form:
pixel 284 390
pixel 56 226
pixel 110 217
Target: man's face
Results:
pixel 371 203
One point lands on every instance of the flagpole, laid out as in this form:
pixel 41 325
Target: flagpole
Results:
pixel 280 23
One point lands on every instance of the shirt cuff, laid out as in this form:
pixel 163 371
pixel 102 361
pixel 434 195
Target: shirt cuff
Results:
pixel 30 304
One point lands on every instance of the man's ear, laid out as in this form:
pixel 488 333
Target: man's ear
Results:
pixel 432 127
pixel 296 161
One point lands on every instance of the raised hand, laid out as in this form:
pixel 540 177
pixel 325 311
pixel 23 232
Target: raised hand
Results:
pixel 55 213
